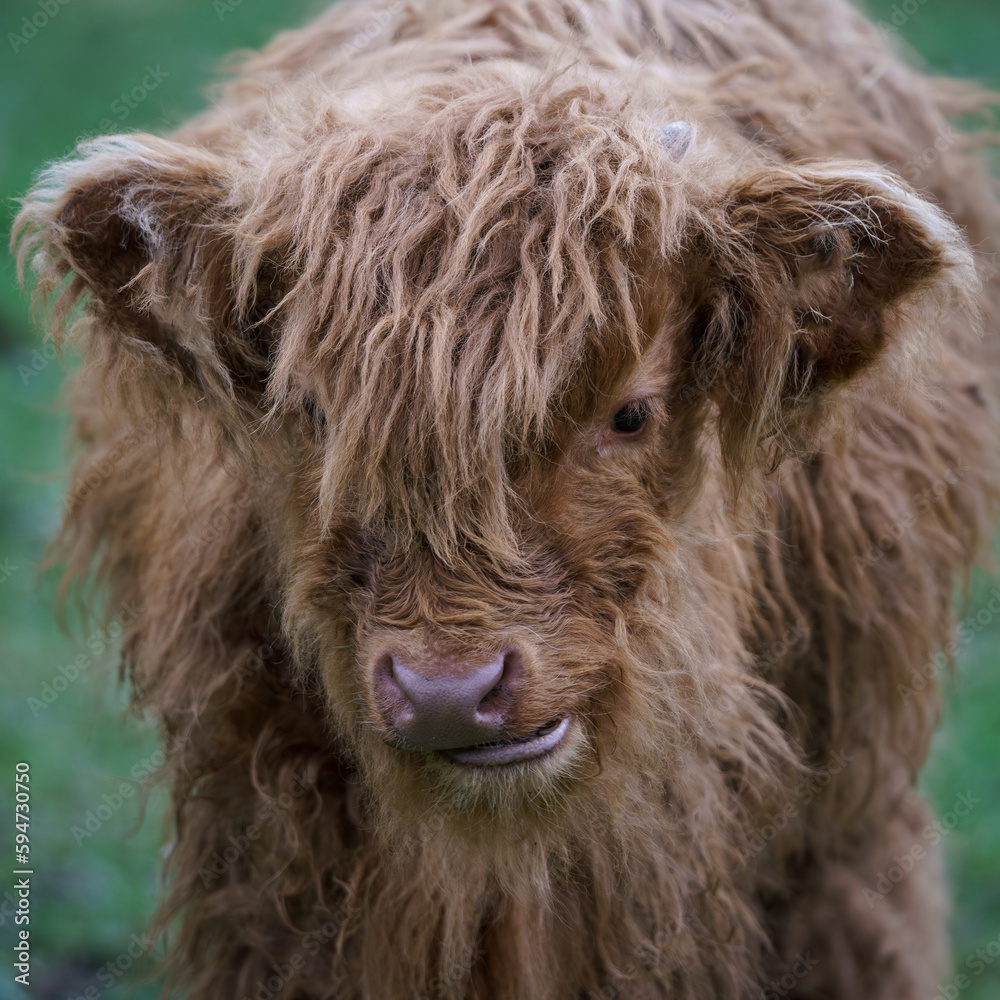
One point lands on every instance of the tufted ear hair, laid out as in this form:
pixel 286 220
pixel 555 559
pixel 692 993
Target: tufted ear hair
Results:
pixel 140 228
pixel 804 278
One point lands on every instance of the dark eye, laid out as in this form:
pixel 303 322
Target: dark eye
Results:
pixel 314 413
pixel 630 419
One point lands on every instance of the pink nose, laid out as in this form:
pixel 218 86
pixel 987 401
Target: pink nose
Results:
pixel 447 706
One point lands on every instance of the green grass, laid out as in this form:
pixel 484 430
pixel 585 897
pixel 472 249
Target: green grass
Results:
pixel 93 893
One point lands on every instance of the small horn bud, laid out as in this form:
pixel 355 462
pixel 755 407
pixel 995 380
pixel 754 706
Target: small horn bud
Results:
pixel 675 139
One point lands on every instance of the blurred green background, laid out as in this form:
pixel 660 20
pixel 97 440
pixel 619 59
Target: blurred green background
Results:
pixel 96 867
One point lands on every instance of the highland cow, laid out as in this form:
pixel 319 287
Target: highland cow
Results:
pixel 544 440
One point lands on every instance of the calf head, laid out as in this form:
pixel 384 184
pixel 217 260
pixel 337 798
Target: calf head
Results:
pixel 502 373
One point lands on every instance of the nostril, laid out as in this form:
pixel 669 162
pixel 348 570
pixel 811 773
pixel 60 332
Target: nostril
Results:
pixel 491 697
pixel 503 690
pixel 389 690
pixel 385 676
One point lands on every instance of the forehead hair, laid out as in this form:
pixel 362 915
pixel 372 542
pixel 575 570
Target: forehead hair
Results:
pixel 460 258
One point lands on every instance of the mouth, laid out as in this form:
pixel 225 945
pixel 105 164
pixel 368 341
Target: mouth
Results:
pixel 539 743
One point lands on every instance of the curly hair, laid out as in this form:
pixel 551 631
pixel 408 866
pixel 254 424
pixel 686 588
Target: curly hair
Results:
pixel 605 338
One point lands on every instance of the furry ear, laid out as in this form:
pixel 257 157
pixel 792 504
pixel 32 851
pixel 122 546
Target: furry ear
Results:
pixel 140 227
pixel 806 277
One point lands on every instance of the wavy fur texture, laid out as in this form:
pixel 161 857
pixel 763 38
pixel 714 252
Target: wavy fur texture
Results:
pixel 352 344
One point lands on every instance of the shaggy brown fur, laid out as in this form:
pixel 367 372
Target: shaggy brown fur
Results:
pixel 353 341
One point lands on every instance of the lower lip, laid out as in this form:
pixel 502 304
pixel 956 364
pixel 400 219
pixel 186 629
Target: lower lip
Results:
pixel 514 753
